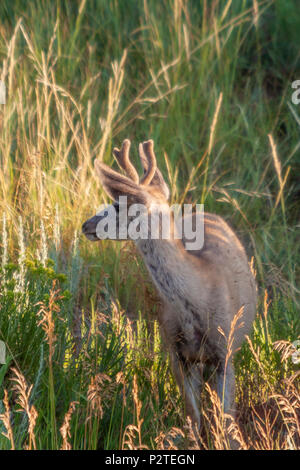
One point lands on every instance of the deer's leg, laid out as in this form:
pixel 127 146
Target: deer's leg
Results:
pixel 188 378
pixel 226 393
pixel 226 387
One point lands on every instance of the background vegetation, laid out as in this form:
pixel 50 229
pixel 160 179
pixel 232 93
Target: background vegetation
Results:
pixel 210 82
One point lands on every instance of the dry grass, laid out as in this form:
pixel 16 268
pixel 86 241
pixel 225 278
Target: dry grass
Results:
pixel 275 424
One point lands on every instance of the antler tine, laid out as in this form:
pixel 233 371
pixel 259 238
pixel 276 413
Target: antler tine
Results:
pixel 143 157
pixel 122 157
pixel 147 149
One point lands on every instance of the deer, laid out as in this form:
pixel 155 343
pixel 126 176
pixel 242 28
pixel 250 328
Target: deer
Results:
pixel 202 291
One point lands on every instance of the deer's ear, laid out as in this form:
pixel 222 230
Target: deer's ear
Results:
pixel 116 185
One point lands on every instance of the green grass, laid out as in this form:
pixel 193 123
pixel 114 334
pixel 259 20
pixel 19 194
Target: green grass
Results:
pixel 81 77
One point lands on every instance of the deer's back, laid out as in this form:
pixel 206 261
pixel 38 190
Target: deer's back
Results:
pixel 227 263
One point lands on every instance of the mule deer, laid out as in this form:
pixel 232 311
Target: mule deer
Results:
pixel 201 290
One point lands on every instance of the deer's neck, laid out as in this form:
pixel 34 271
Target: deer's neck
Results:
pixel 166 263
pixel 176 274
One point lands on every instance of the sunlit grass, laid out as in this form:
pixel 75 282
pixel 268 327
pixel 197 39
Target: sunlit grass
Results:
pixel 206 82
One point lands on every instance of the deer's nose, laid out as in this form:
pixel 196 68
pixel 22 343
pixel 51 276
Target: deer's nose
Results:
pixel 89 228
pixel 84 227
pixel 90 225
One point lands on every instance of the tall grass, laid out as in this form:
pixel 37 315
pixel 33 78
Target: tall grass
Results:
pixel 210 82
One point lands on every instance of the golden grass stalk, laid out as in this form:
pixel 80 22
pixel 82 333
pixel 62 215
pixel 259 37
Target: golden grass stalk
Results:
pixel 5 418
pixel 211 142
pixel 168 440
pixel 214 123
pixel 23 399
pixel 120 379
pixel 99 391
pixel 255 13
pixel 46 314
pixel 131 431
pixel 95 393
pixel 65 428
pixel 282 181
pixel 285 348
pixel 265 429
pixel 138 408
pixel 217 421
